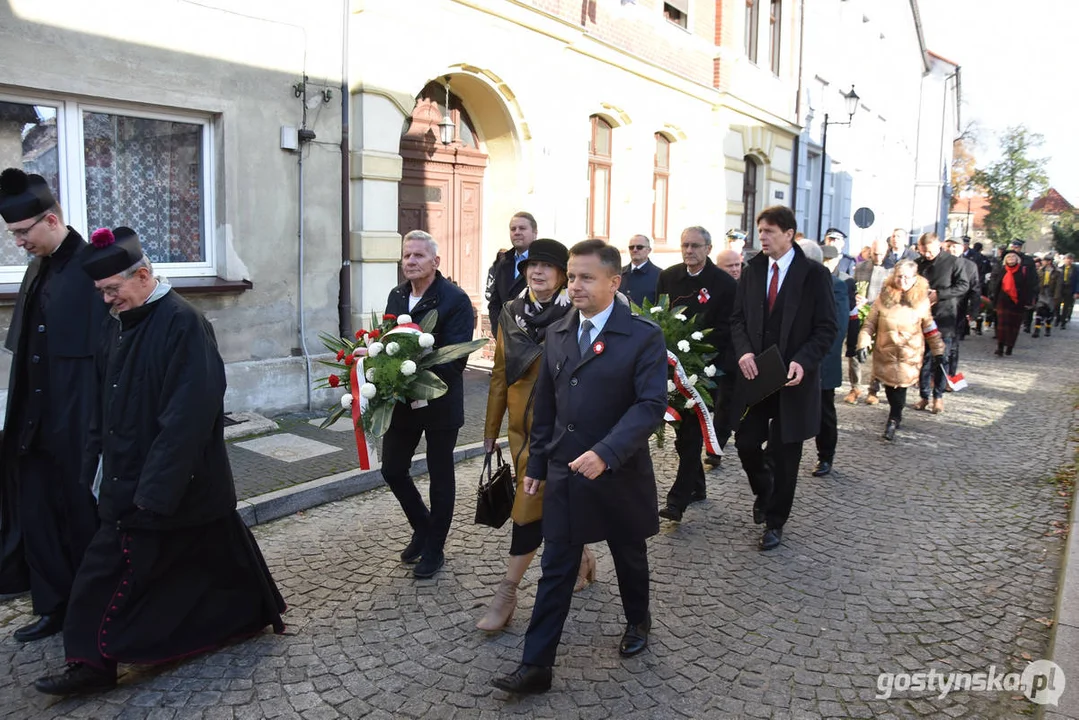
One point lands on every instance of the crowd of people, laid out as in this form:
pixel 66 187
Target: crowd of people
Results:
pixel 118 513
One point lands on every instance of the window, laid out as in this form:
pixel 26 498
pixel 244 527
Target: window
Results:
pixel 661 174
pixel 677 12
pixel 599 180
pixel 775 34
pixel 109 167
pixel 752 23
pixel 749 200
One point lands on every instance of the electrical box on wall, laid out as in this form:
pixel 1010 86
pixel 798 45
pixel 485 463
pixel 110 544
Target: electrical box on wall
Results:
pixel 290 139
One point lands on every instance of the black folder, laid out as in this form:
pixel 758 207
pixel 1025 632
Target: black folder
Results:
pixel 771 376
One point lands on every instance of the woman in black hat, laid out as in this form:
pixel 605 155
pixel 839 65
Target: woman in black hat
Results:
pixel 522 329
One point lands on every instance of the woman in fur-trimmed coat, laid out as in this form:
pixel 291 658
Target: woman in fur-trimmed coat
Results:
pixel 898 327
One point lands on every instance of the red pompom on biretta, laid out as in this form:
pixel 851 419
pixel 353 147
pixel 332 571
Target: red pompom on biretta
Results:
pixel 102 237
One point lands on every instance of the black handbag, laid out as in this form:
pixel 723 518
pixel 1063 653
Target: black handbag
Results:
pixel 494 497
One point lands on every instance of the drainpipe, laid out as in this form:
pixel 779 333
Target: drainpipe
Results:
pixel 304 136
pixel 344 296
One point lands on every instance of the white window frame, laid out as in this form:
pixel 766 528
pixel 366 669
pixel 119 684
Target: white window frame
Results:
pixel 72 167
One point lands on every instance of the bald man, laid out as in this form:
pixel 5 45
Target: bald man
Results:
pixel 730 262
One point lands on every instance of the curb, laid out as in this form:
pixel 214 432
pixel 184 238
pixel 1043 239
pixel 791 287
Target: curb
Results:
pixel 1064 639
pixel 304 496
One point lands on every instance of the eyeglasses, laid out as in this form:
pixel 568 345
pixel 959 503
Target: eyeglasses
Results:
pixel 23 233
pixel 637 247
pixel 110 290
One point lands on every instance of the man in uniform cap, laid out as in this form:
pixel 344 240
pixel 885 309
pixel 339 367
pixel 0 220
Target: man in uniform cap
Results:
pixel 1027 261
pixel 46 517
pixel 838 239
pixel 172 570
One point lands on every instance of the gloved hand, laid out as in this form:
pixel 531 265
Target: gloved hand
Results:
pixel 938 361
pixel 862 355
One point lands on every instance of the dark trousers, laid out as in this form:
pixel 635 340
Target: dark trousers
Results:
pixel 688 442
pixel 828 436
pixel 932 380
pixel 1028 318
pixel 554 593
pixel 398 446
pixel 1064 314
pixel 953 356
pixel 772 471
pixel 897 398
pixel 58 518
pixel 722 398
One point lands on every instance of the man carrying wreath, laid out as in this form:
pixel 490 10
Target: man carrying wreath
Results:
pixel 438 420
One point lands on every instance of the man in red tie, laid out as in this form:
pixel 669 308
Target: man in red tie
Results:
pixel 783 300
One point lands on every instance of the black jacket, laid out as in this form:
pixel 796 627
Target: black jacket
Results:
pixel 640 285
pixel 714 305
pixel 455 323
pixel 609 402
pixel 158 420
pixel 809 327
pixel 501 285
pixel 891 259
pixel 945 275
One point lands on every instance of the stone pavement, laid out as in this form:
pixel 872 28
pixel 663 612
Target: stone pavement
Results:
pixel 941 551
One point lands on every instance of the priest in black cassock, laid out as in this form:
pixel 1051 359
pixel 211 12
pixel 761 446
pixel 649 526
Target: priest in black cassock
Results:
pixel 172 570
pixel 46 517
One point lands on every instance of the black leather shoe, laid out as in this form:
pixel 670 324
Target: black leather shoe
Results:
pixel 670 512
pixel 758 512
pixel 699 496
pixel 525 680
pixel 46 626
pixel 635 639
pixel 713 461
pixel 889 430
pixel 824 467
pixel 414 551
pixel 77 678
pixel 428 566
pixel 771 538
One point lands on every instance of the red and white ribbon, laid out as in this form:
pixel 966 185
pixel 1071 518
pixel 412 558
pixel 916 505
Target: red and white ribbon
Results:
pixel 358 401
pixel 689 392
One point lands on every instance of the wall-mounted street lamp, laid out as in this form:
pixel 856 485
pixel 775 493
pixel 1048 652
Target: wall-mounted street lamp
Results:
pixel 446 128
pixel 851 102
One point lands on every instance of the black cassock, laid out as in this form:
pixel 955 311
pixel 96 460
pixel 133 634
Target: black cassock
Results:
pixel 172 570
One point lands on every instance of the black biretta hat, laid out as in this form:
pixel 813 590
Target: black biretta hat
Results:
pixel 113 252
pixel 23 196
pixel 546 250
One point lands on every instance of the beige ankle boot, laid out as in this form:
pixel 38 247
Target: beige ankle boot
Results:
pixel 501 609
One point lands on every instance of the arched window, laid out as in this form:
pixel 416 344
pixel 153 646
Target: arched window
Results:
pixel 599 179
pixel 749 200
pixel 661 173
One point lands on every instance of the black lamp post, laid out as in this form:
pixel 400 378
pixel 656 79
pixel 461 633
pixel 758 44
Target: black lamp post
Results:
pixel 851 99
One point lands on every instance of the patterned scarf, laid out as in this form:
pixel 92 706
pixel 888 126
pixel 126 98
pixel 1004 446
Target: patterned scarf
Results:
pixel 533 316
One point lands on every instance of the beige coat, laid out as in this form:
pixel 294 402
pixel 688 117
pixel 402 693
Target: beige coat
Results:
pixel 898 326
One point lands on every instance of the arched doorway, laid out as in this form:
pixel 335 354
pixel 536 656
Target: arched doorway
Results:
pixel 441 190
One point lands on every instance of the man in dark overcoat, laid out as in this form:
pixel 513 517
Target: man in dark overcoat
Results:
pixel 1034 284
pixel 948 284
pixel 47 517
pixel 969 304
pixel 589 446
pixel 707 293
pixel 172 569
pixel 640 275
pixel 437 420
pixel 831 373
pixel 505 280
pixel 787 301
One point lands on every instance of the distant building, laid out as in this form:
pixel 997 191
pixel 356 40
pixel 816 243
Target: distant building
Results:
pixel 1050 207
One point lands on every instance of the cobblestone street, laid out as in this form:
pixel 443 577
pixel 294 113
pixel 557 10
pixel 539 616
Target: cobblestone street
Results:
pixel 939 551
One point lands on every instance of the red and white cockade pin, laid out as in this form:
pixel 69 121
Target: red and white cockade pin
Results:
pixel 703 297
pixel 597 347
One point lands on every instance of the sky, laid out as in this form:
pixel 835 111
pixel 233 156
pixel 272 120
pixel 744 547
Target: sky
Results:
pixel 1019 66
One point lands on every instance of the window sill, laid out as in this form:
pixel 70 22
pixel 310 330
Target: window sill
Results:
pixel 9 292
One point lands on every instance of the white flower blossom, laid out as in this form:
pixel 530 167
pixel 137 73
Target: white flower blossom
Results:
pixel 370 374
pixel 683 345
pixel 368 390
pixel 698 336
pixel 404 319
pixel 670 386
pixel 692 380
pixel 359 352
pixel 346 401
pixel 392 348
pixel 710 370
pixel 427 340
pixel 681 317
pixel 690 402
pixel 408 368
pixel 374 349
pixel 656 310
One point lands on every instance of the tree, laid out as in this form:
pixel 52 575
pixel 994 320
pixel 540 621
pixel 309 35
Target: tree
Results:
pixel 1012 183
pixel 1066 233
pixel 963 162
